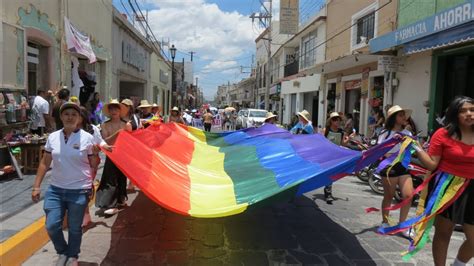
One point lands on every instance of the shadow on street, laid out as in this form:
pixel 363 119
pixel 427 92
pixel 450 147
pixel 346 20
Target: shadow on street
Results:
pixel 288 232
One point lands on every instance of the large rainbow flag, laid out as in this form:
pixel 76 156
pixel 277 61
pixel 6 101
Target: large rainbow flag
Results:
pixel 202 174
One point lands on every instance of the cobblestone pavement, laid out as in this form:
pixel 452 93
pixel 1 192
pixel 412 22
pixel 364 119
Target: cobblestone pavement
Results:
pixel 304 231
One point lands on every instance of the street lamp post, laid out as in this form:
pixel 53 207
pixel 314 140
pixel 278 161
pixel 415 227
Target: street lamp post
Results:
pixel 173 85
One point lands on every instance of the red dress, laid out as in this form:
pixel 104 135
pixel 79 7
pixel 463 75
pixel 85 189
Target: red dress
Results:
pixel 457 158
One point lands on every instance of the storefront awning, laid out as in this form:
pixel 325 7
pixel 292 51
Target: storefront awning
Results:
pixel 458 35
pixel 442 21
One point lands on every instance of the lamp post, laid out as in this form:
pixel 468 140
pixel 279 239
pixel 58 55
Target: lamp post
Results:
pixel 173 85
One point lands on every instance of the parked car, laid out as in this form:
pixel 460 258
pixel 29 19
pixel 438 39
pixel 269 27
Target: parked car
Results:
pixel 251 117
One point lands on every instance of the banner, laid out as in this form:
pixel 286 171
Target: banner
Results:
pixel 77 42
pixel 289 16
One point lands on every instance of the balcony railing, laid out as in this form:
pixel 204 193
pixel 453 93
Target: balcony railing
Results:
pixel 291 68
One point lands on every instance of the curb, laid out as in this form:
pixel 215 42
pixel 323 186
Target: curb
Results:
pixel 25 243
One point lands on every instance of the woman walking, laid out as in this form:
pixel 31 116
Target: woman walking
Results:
pixel 451 154
pixel 397 175
pixel 71 151
pixel 85 124
pixel 304 125
pixel 334 133
pixel 112 191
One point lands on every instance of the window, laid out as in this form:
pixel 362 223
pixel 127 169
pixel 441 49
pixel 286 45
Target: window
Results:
pixel 365 28
pixel 308 50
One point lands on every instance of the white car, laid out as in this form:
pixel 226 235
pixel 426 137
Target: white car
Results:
pixel 251 117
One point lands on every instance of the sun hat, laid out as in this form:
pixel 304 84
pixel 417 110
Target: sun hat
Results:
pixel 69 105
pixel 154 105
pixel 127 102
pixel 123 109
pixel 305 114
pixel 175 109
pixel 144 104
pixel 334 114
pixel 269 115
pixel 396 108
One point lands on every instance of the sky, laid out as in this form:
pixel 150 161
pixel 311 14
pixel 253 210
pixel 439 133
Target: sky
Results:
pixel 220 33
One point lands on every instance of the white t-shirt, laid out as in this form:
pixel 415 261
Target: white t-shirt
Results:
pixel 71 168
pixel 383 137
pixel 98 140
pixel 42 107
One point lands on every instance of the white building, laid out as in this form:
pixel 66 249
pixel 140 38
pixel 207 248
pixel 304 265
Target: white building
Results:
pixel 293 78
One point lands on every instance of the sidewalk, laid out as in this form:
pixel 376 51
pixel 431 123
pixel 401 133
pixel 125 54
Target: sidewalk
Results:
pixel 306 231
pixel 22 221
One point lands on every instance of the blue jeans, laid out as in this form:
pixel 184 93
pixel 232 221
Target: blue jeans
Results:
pixel 56 202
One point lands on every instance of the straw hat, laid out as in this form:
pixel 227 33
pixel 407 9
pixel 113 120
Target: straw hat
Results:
pixel 127 102
pixel 396 108
pixel 144 104
pixel 175 109
pixel 334 114
pixel 123 109
pixel 154 105
pixel 269 115
pixel 305 114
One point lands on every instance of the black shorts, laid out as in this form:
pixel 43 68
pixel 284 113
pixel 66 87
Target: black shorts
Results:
pixel 462 210
pixel 396 171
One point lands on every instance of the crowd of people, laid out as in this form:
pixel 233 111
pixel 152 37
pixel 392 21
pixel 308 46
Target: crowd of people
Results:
pixel 72 153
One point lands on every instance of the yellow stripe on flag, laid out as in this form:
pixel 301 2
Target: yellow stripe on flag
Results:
pixel 212 192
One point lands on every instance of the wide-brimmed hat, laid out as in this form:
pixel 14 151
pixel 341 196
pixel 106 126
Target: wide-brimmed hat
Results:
pixel 333 115
pixel 396 108
pixel 175 109
pixel 269 115
pixel 69 105
pixel 144 104
pixel 127 102
pixel 123 109
pixel 305 114
pixel 154 105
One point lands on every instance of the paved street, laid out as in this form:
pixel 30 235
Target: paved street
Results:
pixel 305 231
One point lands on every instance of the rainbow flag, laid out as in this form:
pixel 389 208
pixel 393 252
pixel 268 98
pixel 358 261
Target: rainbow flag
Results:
pixel 203 174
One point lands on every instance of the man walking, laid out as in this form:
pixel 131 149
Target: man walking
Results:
pixel 40 114
pixel 208 118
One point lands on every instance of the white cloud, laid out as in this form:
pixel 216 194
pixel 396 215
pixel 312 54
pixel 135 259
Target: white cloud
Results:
pixel 219 38
pixel 202 27
pixel 218 65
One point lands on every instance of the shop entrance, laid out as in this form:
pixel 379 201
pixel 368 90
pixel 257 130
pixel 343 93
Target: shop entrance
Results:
pixel 454 76
pixel 131 90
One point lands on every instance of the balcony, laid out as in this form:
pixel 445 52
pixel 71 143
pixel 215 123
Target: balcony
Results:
pixel 291 69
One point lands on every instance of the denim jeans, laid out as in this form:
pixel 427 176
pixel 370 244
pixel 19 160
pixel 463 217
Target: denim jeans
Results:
pixel 56 202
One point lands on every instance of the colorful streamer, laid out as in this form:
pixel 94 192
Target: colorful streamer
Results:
pixel 447 188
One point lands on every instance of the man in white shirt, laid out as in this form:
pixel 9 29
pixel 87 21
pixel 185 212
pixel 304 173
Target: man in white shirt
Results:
pixel 40 114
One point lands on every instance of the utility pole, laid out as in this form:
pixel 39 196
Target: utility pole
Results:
pixel 192 53
pixel 266 20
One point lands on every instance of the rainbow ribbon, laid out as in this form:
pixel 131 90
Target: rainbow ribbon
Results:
pixel 446 190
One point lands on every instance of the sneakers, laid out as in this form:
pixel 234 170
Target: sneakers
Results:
pixel 329 199
pixel 111 211
pixel 61 260
pixel 409 233
pixel 72 262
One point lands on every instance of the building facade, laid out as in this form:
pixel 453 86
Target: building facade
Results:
pixel 352 82
pixel 131 62
pixel 295 82
pixel 431 55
